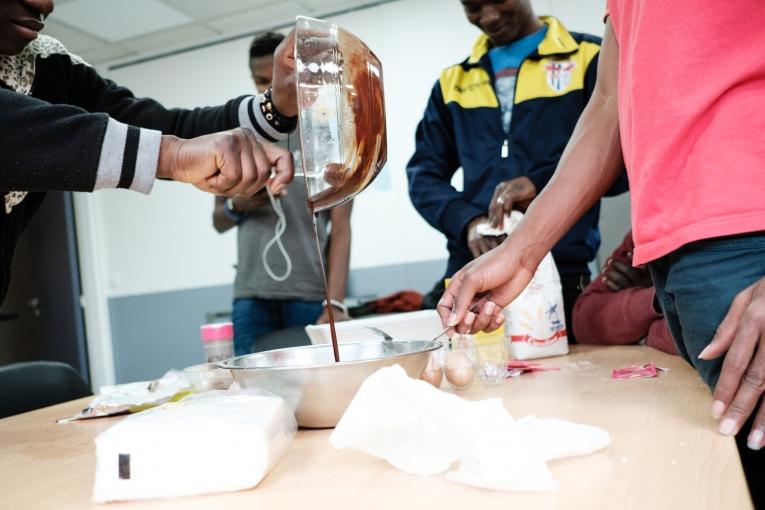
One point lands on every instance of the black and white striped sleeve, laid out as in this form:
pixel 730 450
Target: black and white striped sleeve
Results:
pixel 251 116
pixel 48 147
pixel 128 157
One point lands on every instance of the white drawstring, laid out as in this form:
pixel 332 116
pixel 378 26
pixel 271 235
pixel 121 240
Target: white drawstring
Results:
pixel 279 228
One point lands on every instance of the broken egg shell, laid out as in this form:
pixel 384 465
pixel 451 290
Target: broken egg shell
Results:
pixel 434 377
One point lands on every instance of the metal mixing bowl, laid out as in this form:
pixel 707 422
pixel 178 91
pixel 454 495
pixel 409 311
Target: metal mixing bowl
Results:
pixel 318 389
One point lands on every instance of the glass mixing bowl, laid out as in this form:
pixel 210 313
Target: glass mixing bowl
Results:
pixel 341 112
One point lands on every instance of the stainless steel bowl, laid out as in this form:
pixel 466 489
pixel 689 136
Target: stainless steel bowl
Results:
pixel 317 389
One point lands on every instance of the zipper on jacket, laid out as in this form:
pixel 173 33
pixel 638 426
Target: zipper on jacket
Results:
pixel 505 148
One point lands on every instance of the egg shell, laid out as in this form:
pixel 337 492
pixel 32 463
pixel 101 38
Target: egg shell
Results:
pixel 459 370
pixel 434 377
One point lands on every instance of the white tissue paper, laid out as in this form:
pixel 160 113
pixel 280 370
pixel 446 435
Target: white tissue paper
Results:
pixel 218 441
pixel 425 431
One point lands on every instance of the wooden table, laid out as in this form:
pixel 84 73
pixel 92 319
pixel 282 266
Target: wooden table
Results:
pixel 665 452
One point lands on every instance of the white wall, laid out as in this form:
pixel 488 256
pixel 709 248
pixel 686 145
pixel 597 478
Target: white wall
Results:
pixel 165 241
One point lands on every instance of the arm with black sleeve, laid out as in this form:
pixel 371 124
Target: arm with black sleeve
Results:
pixel 65 79
pixel 64 148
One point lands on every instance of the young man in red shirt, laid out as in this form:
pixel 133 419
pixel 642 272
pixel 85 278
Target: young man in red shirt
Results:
pixel 682 110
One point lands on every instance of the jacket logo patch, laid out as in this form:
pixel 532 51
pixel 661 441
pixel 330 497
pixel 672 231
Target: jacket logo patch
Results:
pixel 559 75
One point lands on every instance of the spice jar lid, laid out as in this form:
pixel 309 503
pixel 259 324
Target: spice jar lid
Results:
pixel 218 331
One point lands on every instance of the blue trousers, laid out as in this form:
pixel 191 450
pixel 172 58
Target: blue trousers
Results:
pixel 254 317
pixel 696 285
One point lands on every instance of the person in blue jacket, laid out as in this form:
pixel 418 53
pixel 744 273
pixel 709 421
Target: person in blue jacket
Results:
pixel 504 115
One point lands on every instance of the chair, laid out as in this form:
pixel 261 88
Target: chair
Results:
pixel 294 336
pixel 34 384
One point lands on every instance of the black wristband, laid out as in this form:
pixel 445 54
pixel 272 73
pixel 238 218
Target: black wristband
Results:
pixel 280 122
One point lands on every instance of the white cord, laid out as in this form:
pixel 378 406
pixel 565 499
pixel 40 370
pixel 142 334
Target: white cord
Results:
pixel 279 228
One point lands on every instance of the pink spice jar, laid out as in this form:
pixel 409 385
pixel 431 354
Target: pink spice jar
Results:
pixel 218 340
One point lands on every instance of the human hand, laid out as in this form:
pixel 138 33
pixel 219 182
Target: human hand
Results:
pixel 508 195
pixel 227 163
pixel 283 90
pixel 488 283
pixel 477 243
pixel 620 274
pixel 741 336
pixel 337 314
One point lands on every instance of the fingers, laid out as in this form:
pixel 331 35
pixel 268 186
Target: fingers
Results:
pixel 756 439
pixel 742 378
pixel 256 173
pixel 726 331
pixel 489 316
pixel 496 210
pixel 615 280
pixel 282 167
pixel 469 285
pixel 226 150
pixel 446 303
pixel 474 247
pixel 283 89
pixel 745 376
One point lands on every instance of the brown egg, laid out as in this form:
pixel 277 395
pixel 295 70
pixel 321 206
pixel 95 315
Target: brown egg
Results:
pixel 459 370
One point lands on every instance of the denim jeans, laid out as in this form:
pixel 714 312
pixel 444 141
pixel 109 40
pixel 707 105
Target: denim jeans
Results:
pixel 254 317
pixel 696 285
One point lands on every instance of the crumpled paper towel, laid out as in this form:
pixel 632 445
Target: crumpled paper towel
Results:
pixel 422 430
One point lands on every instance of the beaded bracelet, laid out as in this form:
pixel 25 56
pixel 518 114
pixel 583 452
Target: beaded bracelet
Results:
pixel 280 122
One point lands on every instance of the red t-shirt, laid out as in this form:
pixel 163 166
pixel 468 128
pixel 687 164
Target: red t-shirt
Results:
pixel 692 118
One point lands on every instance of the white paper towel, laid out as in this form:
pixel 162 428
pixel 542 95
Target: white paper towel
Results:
pixel 213 442
pixel 422 430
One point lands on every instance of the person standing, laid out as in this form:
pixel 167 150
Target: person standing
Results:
pixel 276 289
pixel 66 128
pixel 693 147
pixel 504 116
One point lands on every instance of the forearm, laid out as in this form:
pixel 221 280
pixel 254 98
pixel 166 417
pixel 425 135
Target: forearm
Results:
pixel 221 221
pixel 63 148
pixel 96 94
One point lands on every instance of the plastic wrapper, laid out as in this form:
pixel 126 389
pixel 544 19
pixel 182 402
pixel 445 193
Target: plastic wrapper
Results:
pixel 217 441
pixel 136 396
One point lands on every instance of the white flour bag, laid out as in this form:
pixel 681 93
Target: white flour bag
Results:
pixel 535 323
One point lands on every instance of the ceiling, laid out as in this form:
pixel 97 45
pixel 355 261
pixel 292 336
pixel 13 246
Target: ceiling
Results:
pixel 103 31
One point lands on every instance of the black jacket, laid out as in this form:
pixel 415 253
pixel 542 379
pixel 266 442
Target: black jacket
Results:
pixel 65 128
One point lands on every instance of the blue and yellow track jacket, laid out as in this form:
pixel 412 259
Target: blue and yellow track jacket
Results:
pixel 462 127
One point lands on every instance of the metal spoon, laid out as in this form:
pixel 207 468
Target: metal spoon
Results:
pixel 382 333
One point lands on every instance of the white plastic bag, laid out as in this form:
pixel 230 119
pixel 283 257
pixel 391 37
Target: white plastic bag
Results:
pixel 535 322
pixel 217 441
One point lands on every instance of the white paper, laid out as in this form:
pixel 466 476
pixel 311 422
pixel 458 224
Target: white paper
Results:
pixel 217 441
pixel 425 431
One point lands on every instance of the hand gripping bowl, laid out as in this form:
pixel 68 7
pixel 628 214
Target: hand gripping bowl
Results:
pixel 341 112
pixel 316 388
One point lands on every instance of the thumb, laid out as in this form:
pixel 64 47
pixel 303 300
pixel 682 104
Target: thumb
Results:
pixel 726 331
